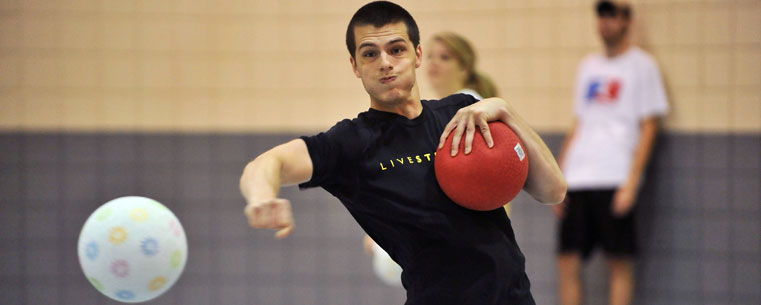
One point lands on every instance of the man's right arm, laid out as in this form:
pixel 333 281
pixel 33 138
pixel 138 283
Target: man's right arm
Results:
pixel 286 164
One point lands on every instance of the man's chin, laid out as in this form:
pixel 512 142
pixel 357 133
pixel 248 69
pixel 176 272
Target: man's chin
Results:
pixel 393 97
pixel 612 41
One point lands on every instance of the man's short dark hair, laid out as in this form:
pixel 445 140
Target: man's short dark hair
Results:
pixel 378 14
pixel 607 8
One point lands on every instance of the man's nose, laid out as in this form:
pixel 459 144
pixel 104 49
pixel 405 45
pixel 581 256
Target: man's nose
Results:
pixel 385 61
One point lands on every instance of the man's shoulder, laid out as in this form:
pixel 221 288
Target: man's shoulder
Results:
pixel 643 58
pixel 358 130
pixel 592 58
pixel 346 128
pixel 347 136
pixel 590 62
pixel 346 124
pixel 457 100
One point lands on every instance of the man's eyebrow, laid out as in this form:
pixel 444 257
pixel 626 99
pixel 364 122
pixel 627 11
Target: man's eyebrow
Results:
pixel 396 40
pixel 370 44
pixel 366 44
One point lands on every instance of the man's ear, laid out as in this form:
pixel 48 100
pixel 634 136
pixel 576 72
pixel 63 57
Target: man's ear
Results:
pixel 354 66
pixel 418 56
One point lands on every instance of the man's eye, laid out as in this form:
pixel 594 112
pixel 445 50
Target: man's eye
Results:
pixel 397 51
pixel 369 54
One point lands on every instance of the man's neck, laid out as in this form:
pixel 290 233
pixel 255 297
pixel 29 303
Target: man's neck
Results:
pixel 617 49
pixel 409 108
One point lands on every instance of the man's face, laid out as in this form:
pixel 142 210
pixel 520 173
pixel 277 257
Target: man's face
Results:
pixel 385 60
pixel 612 29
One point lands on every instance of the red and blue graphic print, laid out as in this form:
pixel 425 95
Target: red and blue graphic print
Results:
pixel 604 91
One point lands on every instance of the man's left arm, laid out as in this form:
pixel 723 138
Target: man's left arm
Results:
pixel 626 195
pixel 545 181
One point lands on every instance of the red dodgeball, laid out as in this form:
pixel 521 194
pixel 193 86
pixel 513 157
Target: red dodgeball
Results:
pixel 487 178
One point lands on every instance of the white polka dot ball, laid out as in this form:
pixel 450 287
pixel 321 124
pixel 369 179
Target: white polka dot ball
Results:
pixel 132 249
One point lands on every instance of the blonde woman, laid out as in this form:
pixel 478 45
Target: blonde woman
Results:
pixel 451 67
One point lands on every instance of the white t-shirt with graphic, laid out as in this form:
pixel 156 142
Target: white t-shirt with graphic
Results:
pixel 612 97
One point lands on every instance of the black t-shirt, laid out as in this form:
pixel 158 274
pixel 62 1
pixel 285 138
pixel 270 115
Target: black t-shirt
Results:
pixel 380 166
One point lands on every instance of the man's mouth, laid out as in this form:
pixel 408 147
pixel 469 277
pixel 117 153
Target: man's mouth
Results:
pixel 387 80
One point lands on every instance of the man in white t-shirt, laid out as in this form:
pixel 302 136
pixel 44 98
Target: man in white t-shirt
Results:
pixel 619 98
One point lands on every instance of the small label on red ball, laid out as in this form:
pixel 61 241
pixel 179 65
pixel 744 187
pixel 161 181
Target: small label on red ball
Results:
pixel 519 151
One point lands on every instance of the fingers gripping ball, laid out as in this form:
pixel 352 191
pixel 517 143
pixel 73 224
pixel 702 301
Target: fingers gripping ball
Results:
pixel 487 178
pixel 132 249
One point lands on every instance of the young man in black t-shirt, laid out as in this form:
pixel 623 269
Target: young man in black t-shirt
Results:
pixel 380 166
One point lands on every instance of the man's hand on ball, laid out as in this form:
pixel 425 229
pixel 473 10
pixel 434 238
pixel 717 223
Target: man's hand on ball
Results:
pixel 468 118
pixel 274 214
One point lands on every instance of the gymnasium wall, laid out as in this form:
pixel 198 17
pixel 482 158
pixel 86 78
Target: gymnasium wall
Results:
pixel 170 99
pixel 699 227
pixel 264 66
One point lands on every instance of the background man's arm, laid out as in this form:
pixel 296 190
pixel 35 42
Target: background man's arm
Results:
pixel 626 195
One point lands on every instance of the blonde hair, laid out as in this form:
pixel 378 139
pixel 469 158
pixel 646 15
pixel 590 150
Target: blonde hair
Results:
pixel 464 53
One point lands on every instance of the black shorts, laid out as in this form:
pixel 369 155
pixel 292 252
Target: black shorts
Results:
pixel 588 221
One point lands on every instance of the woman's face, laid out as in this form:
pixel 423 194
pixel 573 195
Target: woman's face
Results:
pixel 444 70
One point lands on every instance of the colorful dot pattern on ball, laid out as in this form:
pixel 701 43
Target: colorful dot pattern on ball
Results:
pixel 96 283
pixel 157 283
pixel 176 259
pixel 104 214
pixel 117 235
pixel 139 215
pixel 149 246
pixel 176 228
pixel 120 268
pixel 92 250
pixel 125 254
pixel 125 295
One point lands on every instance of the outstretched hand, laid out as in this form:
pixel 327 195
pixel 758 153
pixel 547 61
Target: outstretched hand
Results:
pixel 274 214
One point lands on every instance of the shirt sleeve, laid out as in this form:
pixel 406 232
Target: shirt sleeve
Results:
pixel 653 101
pixel 458 100
pixel 328 150
pixel 469 99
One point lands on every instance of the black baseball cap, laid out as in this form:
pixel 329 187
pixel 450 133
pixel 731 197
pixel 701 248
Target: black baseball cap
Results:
pixel 607 8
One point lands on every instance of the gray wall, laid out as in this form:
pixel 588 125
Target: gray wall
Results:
pixel 700 223
pixel 699 226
